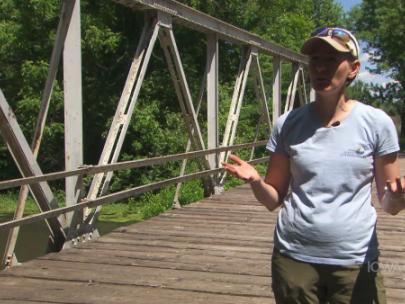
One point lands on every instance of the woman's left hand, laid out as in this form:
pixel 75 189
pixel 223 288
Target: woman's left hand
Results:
pixel 393 200
pixel 390 186
pixel 396 187
pixel 241 169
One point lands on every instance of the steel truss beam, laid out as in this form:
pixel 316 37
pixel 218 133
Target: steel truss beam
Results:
pixel 236 104
pixel 155 26
pixel 169 46
pixel 303 95
pixel 261 96
pixel 205 23
pixel 294 87
pixel 123 114
pixel 173 60
pixel 251 60
pixel 28 166
pixel 176 202
pixel 209 82
pixel 276 88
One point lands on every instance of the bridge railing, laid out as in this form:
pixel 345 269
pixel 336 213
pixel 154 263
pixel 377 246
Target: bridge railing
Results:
pixel 79 216
pixel 124 194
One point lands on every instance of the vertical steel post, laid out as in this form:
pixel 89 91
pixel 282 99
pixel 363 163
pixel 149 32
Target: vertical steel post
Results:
pixel 65 17
pixel 72 84
pixel 276 88
pixel 212 99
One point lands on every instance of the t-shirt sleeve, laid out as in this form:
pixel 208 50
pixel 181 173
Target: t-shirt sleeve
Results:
pixel 386 135
pixel 276 142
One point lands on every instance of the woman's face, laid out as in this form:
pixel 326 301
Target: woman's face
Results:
pixel 329 69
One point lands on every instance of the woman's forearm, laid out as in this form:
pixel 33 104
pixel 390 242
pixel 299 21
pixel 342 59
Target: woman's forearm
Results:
pixel 266 194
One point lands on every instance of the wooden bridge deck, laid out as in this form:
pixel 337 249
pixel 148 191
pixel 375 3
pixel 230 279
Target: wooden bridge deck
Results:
pixel 215 251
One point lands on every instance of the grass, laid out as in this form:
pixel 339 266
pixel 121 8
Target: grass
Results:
pixel 137 209
pixel 8 203
pixel 132 210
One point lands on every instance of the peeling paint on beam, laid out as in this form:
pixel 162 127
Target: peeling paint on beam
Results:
pixel 206 23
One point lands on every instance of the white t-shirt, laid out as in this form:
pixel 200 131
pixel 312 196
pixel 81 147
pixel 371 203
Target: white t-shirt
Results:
pixel 328 217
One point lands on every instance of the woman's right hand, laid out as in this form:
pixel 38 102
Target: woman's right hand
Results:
pixel 241 169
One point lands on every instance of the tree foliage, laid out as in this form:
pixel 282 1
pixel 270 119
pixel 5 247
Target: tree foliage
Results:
pixel 380 24
pixel 380 96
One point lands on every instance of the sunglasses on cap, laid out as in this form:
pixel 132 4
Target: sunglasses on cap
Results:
pixel 343 36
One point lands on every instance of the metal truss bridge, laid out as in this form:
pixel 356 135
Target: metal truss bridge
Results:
pixel 214 251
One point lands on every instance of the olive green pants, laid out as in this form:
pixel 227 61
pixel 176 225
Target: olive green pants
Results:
pixel 296 282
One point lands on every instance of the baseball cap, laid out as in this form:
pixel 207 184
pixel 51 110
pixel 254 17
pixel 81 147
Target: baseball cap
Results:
pixel 339 38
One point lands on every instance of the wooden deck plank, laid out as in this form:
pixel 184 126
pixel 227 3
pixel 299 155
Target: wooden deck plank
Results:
pixel 112 274
pixel 55 291
pixel 214 251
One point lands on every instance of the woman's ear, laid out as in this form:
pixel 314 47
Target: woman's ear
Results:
pixel 355 69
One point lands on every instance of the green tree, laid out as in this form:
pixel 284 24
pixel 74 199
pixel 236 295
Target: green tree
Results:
pixel 361 91
pixel 380 96
pixel 26 38
pixel 380 24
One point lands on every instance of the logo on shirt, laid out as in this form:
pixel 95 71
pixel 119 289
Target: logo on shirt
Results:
pixel 358 152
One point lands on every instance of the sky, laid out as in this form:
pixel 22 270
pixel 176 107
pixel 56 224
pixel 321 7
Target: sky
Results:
pixel 364 75
pixel 348 4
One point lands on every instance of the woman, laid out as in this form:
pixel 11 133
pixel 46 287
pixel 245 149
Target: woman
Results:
pixel 327 153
